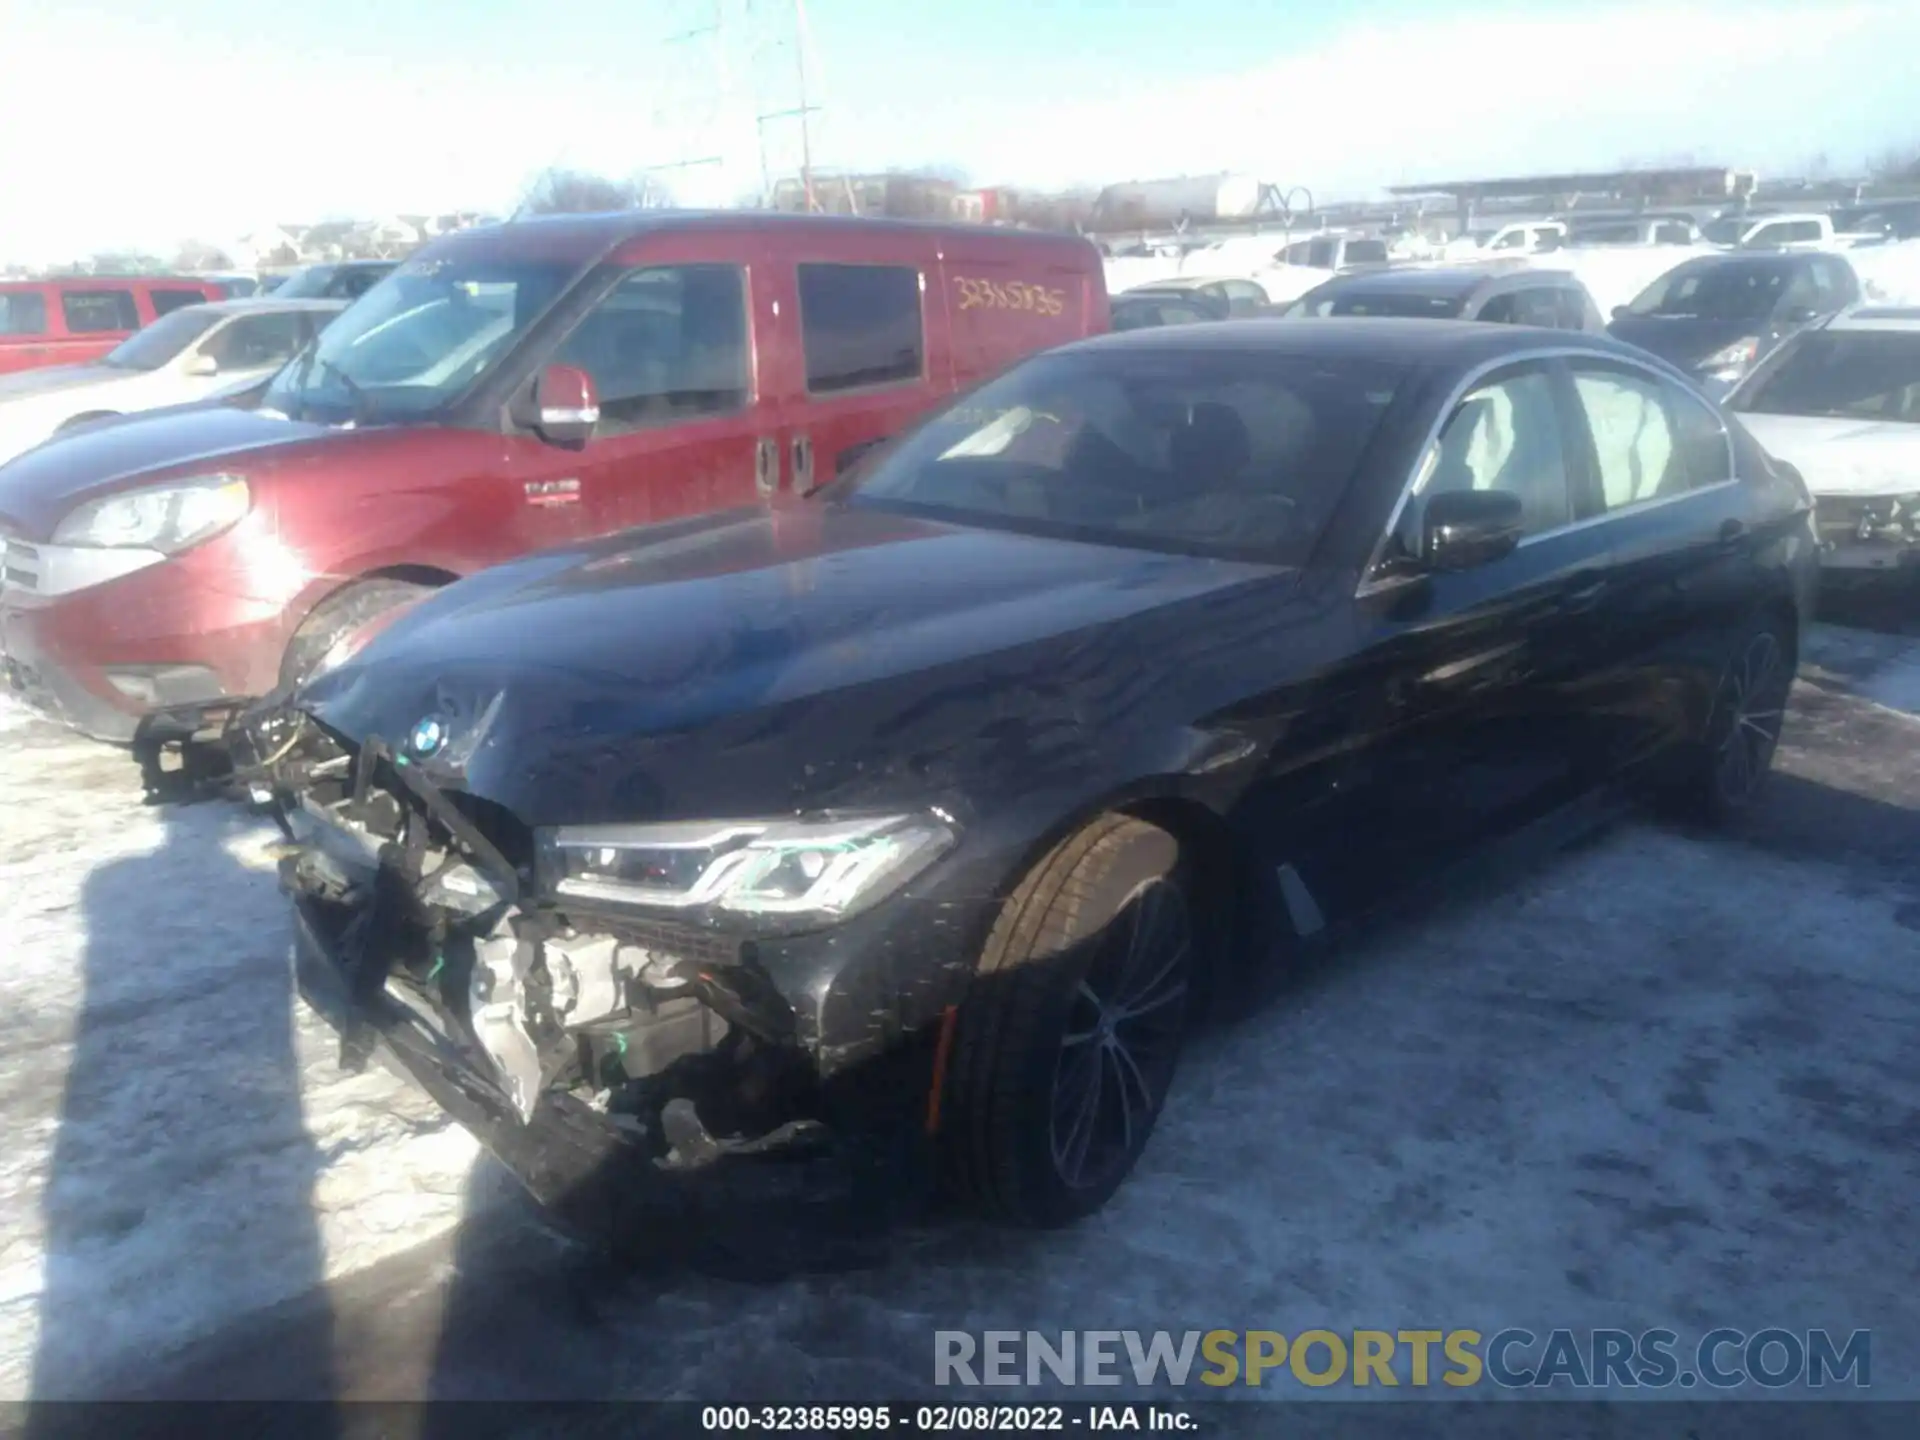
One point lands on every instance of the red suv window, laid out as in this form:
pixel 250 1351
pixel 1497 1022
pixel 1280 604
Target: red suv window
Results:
pixel 96 312
pixel 22 312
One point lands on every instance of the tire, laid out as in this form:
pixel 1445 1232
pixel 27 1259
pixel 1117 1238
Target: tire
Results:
pixel 1729 771
pixel 1054 1090
pixel 336 617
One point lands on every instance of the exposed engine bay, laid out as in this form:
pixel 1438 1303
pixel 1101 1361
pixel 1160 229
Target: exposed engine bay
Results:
pixel 423 893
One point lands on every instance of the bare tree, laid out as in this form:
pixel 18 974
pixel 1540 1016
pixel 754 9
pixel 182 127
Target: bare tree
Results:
pixel 560 191
pixel 199 255
pixel 1898 163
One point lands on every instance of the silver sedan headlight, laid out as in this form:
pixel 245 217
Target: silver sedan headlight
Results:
pixel 168 518
pixel 823 868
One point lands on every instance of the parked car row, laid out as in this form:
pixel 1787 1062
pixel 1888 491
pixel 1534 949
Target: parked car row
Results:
pixel 506 390
pixel 185 355
pixel 776 687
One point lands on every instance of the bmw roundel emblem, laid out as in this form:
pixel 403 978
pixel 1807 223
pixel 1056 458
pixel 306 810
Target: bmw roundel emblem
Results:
pixel 428 736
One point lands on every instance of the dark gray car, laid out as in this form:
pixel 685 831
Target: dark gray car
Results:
pixel 1719 316
pixel 1521 295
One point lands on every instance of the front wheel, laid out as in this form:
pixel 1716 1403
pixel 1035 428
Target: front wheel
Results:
pixel 1069 1039
pixel 336 618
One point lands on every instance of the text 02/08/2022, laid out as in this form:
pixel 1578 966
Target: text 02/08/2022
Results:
pixel 942 1419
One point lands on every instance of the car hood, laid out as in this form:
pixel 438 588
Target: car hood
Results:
pixel 31 384
pixel 767 657
pixel 40 486
pixel 1843 456
pixel 1682 340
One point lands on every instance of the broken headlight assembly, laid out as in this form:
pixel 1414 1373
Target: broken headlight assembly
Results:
pixel 815 869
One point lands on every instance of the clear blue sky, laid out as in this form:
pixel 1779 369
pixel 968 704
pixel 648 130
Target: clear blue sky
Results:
pixel 215 117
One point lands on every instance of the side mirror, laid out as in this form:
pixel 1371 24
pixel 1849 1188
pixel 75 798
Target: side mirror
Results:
pixel 1801 315
pixel 202 367
pixel 1619 312
pixel 1465 528
pixel 566 408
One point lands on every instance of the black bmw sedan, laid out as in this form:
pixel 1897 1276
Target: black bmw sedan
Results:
pixel 923 817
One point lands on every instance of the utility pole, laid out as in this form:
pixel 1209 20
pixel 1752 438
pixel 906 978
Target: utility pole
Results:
pixel 693 96
pixel 778 25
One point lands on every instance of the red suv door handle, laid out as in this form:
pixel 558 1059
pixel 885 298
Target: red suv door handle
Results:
pixel 766 465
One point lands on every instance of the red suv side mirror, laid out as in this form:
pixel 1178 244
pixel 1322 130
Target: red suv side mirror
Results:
pixel 566 406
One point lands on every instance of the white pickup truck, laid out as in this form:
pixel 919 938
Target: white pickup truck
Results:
pixel 1782 232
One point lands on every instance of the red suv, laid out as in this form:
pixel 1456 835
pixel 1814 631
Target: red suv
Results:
pixel 80 318
pixel 505 390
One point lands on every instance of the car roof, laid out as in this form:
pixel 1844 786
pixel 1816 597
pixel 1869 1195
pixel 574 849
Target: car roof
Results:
pixel 1183 282
pixel 585 236
pixel 254 304
pixel 1753 259
pixel 1433 344
pixel 1440 281
pixel 1878 317
pixel 83 281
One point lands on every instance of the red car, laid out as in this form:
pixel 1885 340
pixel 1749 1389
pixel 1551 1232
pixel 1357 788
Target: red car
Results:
pixel 79 318
pixel 506 390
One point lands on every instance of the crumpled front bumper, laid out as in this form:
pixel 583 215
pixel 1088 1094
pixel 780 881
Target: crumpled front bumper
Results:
pixel 593 1176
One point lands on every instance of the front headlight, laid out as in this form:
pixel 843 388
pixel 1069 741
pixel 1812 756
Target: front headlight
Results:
pixel 828 867
pixel 1736 356
pixel 167 518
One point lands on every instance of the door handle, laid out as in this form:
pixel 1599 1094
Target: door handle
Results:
pixel 766 465
pixel 802 464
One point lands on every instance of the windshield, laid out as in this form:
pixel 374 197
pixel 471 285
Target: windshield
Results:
pixel 416 341
pixel 161 341
pixel 1349 300
pixel 1239 455
pixel 1715 291
pixel 308 284
pixel 1865 375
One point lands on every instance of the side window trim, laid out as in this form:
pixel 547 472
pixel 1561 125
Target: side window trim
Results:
pixel 1372 582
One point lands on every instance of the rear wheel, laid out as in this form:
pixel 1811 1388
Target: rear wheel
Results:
pixel 1743 732
pixel 1069 1039
pixel 337 617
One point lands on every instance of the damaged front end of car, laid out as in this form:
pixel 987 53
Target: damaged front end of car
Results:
pixel 625 1066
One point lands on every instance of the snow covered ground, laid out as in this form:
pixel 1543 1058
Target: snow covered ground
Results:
pixel 1663 1079
pixel 206 1158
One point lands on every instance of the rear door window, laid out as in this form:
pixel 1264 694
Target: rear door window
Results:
pixel 166 299
pixel 22 312
pixel 254 342
pixel 1244 297
pixel 1539 305
pixel 1366 252
pixel 860 326
pixel 1634 444
pixel 99 312
pixel 1501 310
pixel 1572 307
pixel 668 343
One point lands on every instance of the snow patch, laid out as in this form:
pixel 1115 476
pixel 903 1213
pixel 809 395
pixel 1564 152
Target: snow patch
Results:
pixel 1889 274
pixel 177 1144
